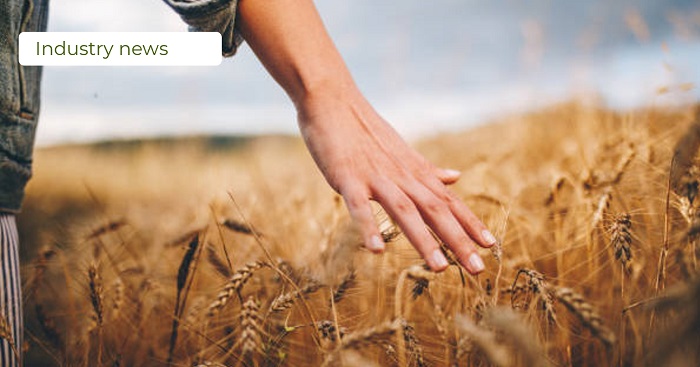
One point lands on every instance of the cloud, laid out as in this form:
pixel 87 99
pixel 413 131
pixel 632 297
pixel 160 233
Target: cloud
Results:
pixel 447 64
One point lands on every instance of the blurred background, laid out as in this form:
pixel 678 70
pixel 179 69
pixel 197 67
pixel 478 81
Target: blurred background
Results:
pixel 428 67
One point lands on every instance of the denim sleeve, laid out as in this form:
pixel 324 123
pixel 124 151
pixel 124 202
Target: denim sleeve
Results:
pixel 211 16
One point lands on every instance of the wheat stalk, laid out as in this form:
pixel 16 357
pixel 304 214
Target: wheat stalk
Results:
pixel 594 180
pixel 515 289
pixel 107 228
pixel 235 284
pixel 621 239
pixel 329 331
pixel 362 338
pixel 497 251
pixel 681 180
pixel 390 234
pixel 193 312
pixel 681 336
pixel 117 297
pixel 250 326
pixel 96 293
pixel 484 340
pixel 287 269
pixel 539 288
pixel 682 184
pixel 286 300
pixel 522 338
pixel 419 287
pixel 219 265
pixel 185 238
pixel 183 275
pixel 96 298
pixel 421 278
pixel 412 344
pixel 237 226
pixel 586 313
pixel 372 335
pixel 349 281
pixel 556 186
pixel 601 207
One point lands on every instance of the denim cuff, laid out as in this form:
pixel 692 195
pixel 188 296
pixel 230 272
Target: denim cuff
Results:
pixel 211 16
pixel 13 178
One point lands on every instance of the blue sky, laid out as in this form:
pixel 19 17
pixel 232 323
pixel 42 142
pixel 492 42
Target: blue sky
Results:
pixel 428 67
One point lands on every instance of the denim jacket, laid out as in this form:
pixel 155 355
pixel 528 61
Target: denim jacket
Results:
pixel 20 85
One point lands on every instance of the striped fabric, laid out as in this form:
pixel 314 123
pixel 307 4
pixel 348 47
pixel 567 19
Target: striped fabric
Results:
pixel 10 292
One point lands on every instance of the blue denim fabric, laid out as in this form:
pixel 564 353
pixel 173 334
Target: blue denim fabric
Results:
pixel 211 16
pixel 19 99
pixel 20 85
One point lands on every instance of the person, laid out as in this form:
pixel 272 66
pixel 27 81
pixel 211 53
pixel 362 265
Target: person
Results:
pixel 359 153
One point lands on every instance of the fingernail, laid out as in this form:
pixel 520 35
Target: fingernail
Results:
pixel 376 243
pixel 488 237
pixel 476 263
pixel 452 172
pixel 439 260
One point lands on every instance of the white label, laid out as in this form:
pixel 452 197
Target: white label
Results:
pixel 120 48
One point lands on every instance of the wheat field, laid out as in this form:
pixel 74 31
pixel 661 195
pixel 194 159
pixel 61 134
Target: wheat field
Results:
pixel 234 252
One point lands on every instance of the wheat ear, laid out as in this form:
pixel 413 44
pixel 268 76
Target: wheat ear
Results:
pixel 586 313
pixel 621 239
pixel 235 284
pixel 250 325
pixel 286 300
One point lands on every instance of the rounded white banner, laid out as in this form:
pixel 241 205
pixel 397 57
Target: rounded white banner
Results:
pixel 120 48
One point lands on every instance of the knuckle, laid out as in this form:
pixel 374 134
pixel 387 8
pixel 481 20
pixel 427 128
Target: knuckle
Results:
pixel 403 205
pixel 354 195
pixel 434 207
pixel 354 201
pixel 425 170
pixel 473 221
pixel 445 197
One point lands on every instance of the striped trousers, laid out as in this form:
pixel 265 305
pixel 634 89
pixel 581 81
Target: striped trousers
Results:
pixel 11 322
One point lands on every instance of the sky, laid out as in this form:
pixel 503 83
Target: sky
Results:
pixel 428 67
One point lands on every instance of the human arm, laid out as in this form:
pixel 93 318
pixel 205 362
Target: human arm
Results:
pixel 359 153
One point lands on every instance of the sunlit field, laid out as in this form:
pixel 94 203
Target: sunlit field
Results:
pixel 235 252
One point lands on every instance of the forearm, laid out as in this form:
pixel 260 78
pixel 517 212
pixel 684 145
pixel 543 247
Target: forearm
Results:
pixel 289 38
pixel 360 154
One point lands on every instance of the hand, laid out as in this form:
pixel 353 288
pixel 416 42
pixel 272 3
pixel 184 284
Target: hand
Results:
pixel 360 155
pixel 364 159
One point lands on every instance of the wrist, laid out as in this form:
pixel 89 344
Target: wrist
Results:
pixel 332 98
pixel 316 92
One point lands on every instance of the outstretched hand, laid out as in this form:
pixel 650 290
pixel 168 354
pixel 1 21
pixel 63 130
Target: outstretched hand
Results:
pixel 363 159
pixel 360 155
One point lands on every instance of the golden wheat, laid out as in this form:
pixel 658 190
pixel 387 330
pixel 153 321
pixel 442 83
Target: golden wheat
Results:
pixel 563 203
pixel 237 281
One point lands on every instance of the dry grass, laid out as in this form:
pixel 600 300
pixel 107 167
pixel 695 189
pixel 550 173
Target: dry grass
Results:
pixel 244 257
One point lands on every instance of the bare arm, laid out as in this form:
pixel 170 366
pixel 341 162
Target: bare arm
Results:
pixel 359 154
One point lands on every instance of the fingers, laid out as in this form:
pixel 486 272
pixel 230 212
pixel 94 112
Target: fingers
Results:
pixel 476 229
pixel 360 210
pixel 437 213
pixel 401 208
pixel 415 203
